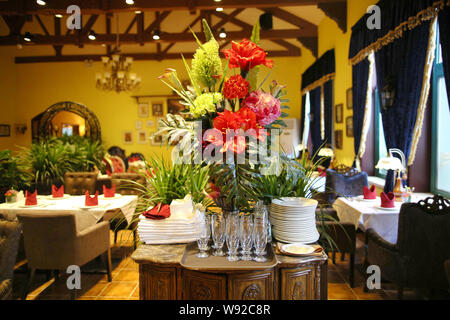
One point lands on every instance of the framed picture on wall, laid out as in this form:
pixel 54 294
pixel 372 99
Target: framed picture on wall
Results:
pixel 174 106
pixel 143 111
pixel 349 126
pixel 128 137
pixel 142 137
pixel 138 124
pixel 150 123
pixel 338 112
pixel 156 140
pixel 157 109
pixel 350 99
pixel 338 139
pixel 5 130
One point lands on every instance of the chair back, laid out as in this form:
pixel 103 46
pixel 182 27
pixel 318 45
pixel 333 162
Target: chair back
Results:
pixel 344 184
pixel 49 239
pixel 123 183
pixel 423 243
pixel 76 183
pixel 9 245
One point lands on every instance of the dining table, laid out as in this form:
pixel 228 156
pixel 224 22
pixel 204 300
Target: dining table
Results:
pixel 85 216
pixel 368 214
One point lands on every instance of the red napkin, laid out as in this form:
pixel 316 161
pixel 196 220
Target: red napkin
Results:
pixel 109 193
pixel 370 193
pixel 30 198
pixel 387 200
pixel 57 193
pixel 91 201
pixel 158 212
pixel 322 172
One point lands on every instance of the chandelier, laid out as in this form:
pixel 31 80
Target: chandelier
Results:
pixel 116 75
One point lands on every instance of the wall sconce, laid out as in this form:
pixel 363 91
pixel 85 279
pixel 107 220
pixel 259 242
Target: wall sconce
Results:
pixel 21 128
pixel 387 94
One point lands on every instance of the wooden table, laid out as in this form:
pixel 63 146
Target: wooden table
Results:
pixel 162 277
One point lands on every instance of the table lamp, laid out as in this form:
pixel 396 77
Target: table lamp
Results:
pixel 326 152
pixel 394 163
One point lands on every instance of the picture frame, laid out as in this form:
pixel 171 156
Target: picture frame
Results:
pixel 350 99
pixel 339 113
pixel 138 124
pixel 349 126
pixel 174 106
pixel 143 110
pixel 156 140
pixel 128 137
pixel 338 139
pixel 5 130
pixel 150 123
pixel 157 109
pixel 142 137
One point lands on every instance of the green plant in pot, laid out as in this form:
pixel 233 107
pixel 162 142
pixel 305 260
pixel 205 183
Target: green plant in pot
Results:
pixel 12 174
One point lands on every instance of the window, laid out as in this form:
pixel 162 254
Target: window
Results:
pixel 440 155
pixel 380 142
pixel 306 121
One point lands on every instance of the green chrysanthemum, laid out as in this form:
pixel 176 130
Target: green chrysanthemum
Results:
pixel 206 63
pixel 204 103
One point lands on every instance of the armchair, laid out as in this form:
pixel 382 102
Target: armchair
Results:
pixel 9 245
pixel 76 183
pixel 344 183
pixel 417 259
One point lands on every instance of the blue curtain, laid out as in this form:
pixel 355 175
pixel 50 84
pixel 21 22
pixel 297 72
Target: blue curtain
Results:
pixel 360 77
pixel 326 64
pixel 444 27
pixel 403 62
pixel 314 98
pixel 328 102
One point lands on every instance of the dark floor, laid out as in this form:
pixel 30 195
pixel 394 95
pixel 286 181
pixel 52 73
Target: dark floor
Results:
pixel 125 283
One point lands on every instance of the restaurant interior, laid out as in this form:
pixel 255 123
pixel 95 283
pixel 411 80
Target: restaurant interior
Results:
pixel 224 150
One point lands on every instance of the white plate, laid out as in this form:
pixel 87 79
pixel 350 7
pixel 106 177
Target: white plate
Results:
pixel 297 248
pixel 387 209
pixel 361 198
pixel 30 206
pixel 294 202
pixel 66 196
pixel 116 196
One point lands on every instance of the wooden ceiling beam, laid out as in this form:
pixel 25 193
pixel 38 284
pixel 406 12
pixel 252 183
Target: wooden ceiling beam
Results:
pixel 226 19
pixel 157 22
pixel 14 7
pixel 336 11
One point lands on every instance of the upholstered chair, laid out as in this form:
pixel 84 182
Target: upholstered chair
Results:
pixel 52 242
pixel 344 184
pixel 418 258
pixel 342 235
pixel 76 183
pixel 9 245
pixel 124 183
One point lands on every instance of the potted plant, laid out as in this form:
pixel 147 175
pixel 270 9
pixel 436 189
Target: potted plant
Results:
pixel 11 196
pixel 12 174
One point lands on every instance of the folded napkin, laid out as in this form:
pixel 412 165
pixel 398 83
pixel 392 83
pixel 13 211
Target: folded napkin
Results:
pixel 370 193
pixel 109 193
pixel 30 198
pixel 91 201
pixel 57 192
pixel 387 200
pixel 158 212
pixel 322 172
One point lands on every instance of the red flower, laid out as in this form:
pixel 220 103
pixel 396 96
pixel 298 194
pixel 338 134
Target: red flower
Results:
pixel 235 87
pixel 246 55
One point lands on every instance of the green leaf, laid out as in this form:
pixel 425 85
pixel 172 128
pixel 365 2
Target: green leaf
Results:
pixel 207 31
pixel 255 38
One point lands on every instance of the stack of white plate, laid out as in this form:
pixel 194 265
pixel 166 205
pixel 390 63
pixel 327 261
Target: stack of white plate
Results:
pixel 294 220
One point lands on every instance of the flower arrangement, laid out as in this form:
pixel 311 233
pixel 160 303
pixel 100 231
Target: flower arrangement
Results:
pixel 230 122
pixel 11 195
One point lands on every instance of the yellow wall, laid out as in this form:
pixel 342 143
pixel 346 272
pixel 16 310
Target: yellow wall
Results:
pixel 331 36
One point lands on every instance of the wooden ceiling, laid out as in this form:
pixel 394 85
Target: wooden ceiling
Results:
pixel 173 18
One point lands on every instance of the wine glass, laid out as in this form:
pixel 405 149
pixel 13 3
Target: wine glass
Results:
pixel 232 236
pixel 259 238
pixel 205 233
pixel 262 211
pixel 246 236
pixel 218 234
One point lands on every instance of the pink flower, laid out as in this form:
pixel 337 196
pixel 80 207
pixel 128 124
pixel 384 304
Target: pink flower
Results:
pixel 264 105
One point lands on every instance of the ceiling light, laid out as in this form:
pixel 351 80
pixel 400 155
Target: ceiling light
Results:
pixel 217 0
pixel 130 2
pixel 41 2
pixel 219 9
pixel 91 35
pixel 138 12
pixel 59 16
pixel 222 33
pixel 156 35
pixel 28 37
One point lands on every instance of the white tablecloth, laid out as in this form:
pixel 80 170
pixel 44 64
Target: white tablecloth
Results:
pixel 84 217
pixel 366 215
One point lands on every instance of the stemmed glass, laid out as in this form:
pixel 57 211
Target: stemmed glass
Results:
pixel 259 237
pixel 246 236
pixel 205 233
pixel 218 234
pixel 232 236
pixel 261 211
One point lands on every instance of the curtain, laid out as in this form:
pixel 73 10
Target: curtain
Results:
pixel 403 62
pixel 360 81
pixel 314 98
pixel 444 27
pixel 328 101
pixel 323 67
